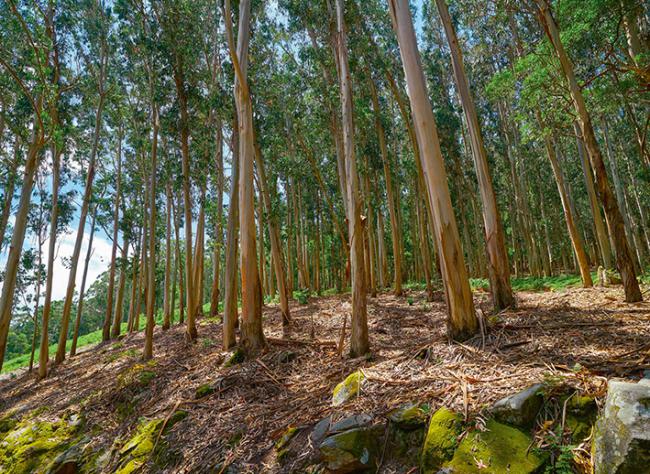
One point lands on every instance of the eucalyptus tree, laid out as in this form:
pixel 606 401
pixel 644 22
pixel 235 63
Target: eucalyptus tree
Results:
pixel 462 319
pixel 32 40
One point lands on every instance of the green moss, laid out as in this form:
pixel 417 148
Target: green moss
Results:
pixel 353 450
pixel 408 416
pixel 238 356
pixel 203 391
pixel 142 446
pixel 348 388
pixel 499 449
pixel 285 438
pixel 33 445
pixel 7 422
pixel 441 440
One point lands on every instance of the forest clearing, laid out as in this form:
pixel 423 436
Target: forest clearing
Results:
pixel 325 236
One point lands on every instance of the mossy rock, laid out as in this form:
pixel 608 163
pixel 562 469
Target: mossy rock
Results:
pixel 141 447
pixel 237 357
pixel 33 445
pixel 441 440
pixel 405 446
pixel 500 449
pixel 8 422
pixel 203 391
pixel 581 415
pixel 520 409
pixel 354 450
pixel 408 416
pixel 348 389
pixel 285 438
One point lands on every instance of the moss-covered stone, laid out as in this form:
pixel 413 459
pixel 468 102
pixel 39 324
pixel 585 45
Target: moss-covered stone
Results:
pixel 441 440
pixel 521 408
pixel 354 450
pixel 500 449
pixel 203 391
pixel 145 443
pixel 408 416
pixel 237 357
pixel 7 423
pixel 581 416
pixel 32 445
pixel 348 389
pixel 285 438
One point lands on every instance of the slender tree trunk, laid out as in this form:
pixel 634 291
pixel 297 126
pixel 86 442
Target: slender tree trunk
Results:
pixel 462 318
pixel 252 336
pixel 74 260
pixel 276 246
pixel 43 356
pixel 214 295
pixel 599 225
pixel 359 343
pixel 390 198
pixel 9 193
pixel 167 303
pixel 82 290
pixel 151 274
pixel 623 255
pixel 569 215
pixel 179 80
pixel 134 284
pixel 116 224
pixel 232 243
pixel 179 264
pixel 499 268
pixel 38 287
pixel 17 239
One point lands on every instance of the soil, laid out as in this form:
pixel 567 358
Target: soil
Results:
pixel 582 336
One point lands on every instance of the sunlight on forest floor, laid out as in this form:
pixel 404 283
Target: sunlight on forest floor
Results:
pixel 581 336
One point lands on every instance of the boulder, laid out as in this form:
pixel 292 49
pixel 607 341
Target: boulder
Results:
pixel 349 422
pixel 348 389
pixel 499 449
pixel 441 440
pixel 622 434
pixel 320 430
pixel 351 451
pixel 408 416
pixel 521 408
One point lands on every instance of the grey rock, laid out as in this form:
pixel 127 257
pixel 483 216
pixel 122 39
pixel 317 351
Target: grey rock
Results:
pixel 354 421
pixel 521 408
pixel 320 430
pixel 353 450
pixel 622 435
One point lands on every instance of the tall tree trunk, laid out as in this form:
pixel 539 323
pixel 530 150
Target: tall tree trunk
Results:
pixel 232 244
pixel 623 255
pixel 499 268
pixel 462 318
pixel 147 353
pixel 599 225
pixel 74 260
pixel 39 281
pixel 82 290
pixel 116 225
pixel 252 336
pixel 9 193
pixel 359 343
pixel 569 214
pixel 179 263
pixel 167 303
pixel 276 245
pixel 18 238
pixel 43 356
pixel 179 80
pixel 214 294
pixel 390 197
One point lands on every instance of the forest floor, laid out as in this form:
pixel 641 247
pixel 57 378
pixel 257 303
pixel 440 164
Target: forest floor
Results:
pixel 582 336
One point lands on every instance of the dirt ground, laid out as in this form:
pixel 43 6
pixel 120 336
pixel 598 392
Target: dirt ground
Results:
pixel 582 335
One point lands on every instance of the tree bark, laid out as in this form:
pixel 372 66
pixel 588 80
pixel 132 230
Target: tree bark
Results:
pixel 462 322
pixel 359 343
pixel 623 255
pixel 116 225
pixel 499 268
